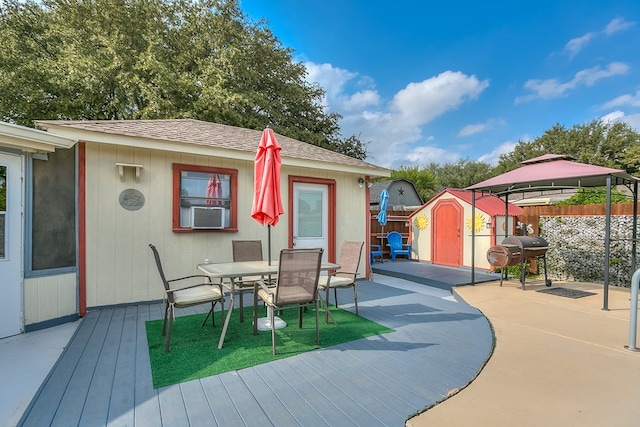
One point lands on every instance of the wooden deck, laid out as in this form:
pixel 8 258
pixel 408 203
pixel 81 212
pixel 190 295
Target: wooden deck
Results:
pixel 104 375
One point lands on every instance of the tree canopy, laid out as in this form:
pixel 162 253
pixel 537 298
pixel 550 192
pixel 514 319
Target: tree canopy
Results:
pixel 153 59
pixel 609 144
pixel 594 196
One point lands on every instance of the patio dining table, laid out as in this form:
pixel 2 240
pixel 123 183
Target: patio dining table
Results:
pixel 235 270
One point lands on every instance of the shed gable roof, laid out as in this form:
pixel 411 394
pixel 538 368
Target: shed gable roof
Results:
pixel 491 205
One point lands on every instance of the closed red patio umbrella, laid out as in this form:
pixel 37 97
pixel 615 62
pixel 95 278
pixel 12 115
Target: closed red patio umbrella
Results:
pixel 267 201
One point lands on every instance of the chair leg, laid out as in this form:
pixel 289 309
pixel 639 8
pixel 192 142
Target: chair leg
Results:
pixel 210 313
pixel 240 294
pixel 326 296
pixel 327 313
pixel 335 296
pixel 300 310
pixel 164 322
pixel 317 328
pixel 167 341
pixel 355 297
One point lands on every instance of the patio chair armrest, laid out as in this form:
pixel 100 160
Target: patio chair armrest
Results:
pixel 377 247
pixel 191 286
pixel 261 284
pixel 348 273
pixel 189 277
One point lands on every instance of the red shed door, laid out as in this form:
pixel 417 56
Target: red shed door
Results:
pixel 447 233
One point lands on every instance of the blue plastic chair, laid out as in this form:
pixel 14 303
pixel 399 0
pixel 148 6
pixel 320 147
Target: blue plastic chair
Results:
pixel 375 251
pixel 396 247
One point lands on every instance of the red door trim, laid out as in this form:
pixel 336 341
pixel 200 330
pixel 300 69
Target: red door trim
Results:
pixel 82 230
pixel 331 184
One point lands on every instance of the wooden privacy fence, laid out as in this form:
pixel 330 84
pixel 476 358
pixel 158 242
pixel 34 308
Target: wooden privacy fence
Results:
pixel 396 221
pixel 532 214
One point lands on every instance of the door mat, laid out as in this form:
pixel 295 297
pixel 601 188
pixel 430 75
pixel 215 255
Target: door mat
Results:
pixel 568 293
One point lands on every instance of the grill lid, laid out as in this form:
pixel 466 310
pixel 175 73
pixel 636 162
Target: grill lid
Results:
pixel 527 242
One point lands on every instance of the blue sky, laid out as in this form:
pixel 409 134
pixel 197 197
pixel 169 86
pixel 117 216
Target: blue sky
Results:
pixel 424 81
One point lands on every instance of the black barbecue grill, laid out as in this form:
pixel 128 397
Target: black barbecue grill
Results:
pixel 519 250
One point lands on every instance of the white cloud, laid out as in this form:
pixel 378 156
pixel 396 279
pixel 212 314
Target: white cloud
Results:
pixel 425 154
pixel 330 78
pixel 574 46
pixel 613 116
pixel 553 88
pixel 617 24
pixel 492 157
pixel 624 100
pixel 361 100
pixel 335 81
pixel 480 127
pixel 472 129
pixel 419 103
pixel 392 129
pixel 632 120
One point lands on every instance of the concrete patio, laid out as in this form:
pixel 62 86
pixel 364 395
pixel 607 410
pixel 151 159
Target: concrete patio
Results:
pixel 557 361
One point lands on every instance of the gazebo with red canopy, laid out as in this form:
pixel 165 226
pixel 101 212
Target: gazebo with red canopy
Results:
pixel 557 172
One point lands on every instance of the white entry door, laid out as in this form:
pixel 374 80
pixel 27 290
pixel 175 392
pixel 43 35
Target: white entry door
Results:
pixel 310 216
pixel 11 244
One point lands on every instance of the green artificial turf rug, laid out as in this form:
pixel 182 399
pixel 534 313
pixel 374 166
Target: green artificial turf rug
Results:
pixel 194 348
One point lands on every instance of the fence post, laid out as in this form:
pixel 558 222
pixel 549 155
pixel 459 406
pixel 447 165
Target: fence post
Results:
pixel 633 322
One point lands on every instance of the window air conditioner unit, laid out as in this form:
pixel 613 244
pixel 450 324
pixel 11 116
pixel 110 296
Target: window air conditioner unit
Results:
pixel 206 217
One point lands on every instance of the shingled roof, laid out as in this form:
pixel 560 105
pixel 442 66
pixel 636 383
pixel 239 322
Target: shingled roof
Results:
pixel 205 134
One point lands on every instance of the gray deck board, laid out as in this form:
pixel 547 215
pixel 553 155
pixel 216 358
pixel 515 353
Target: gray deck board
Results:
pixel 275 411
pixel 96 408
pixel 121 408
pixel 368 392
pixel 146 403
pixel 104 376
pixel 222 406
pixel 338 400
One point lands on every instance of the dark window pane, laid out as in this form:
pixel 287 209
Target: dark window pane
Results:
pixel 53 225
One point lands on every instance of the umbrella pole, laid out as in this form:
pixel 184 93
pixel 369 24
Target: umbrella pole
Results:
pixel 269 244
pixel 382 242
pixel 264 323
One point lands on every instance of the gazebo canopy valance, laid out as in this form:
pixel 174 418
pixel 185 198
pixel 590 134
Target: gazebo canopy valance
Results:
pixel 552 171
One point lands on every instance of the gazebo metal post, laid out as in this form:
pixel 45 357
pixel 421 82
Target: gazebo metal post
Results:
pixel 503 271
pixel 473 237
pixel 506 216
pixel 607 245
pixel 634 232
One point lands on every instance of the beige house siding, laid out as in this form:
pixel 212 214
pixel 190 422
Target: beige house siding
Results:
pixel 120 268
pixel 50 297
